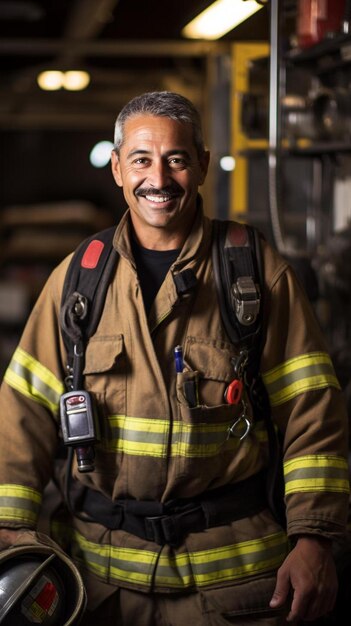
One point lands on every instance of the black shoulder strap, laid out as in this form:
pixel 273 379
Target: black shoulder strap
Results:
pixel 238 274
pixel 238 271
pixel 85 286
pixel 237 266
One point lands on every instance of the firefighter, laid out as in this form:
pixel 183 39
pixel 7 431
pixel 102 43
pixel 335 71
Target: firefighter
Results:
pixel 173 525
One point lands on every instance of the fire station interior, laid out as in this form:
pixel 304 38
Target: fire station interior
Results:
pixel 274 93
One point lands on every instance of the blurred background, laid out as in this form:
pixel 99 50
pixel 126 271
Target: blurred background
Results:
pixel 274 89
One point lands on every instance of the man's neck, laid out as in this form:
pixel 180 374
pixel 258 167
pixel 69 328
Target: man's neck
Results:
pixel 158 238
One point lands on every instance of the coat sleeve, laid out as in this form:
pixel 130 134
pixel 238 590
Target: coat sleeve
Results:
pixel 29 410
pixel 308 407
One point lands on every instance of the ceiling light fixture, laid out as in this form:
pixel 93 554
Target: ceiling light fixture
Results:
pixel 53 80
pixel 50 80
pixel 219 18
pixel 76 80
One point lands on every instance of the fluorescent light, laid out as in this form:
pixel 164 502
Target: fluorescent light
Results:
pixel 76 80
pixel 219 18
pixel 50 80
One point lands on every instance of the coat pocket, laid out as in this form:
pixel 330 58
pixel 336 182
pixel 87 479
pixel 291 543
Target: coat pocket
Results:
pixel 202 436
pixel 105 374
pixel 211 361
pixel 103 354
pixel 105 371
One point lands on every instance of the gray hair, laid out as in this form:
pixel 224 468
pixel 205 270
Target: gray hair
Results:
pixel 165 104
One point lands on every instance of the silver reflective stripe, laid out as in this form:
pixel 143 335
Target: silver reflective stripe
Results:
pixel 34 380
pixel 181 570
pixel 316 472
pixel 149 437
pixel 19 504
pixel 307 372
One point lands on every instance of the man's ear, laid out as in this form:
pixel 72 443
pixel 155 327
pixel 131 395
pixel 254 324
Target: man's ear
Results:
pixel 116 168
pixel 204 163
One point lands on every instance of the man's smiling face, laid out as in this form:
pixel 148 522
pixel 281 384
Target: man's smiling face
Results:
pixel 160 171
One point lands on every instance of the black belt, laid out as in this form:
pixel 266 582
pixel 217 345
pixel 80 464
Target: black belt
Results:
pixel 169 523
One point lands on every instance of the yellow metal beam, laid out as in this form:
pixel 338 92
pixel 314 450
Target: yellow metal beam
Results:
pixel 242 54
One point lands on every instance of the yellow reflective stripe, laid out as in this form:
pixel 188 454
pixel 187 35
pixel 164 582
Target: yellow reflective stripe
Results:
pixel 317 484
pixel 239 560
pixel 150 437
pixel 109 562
pixel 316 473
pixel 183 570
pixel 138 436
pixel 34 380
pixel 202 440
pixel 307 372
pixel 134 566
pixel 175 571
pixel 19 504
pixel 94 555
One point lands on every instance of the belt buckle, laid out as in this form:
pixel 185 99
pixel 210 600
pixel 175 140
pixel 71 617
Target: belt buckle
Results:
pixel 155 530
pixel 162 529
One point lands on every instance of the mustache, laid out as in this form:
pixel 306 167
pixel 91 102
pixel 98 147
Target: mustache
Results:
pixel 164 191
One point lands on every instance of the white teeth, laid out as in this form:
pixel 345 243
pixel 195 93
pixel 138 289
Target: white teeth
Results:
pixel 157 198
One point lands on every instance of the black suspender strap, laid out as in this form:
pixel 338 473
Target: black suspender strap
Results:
pixel 235 252
pixel 85 288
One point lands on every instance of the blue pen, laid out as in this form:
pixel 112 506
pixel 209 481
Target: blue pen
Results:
pixel 178 359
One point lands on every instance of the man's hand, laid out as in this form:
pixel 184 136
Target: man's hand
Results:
pixel 309 575
pixel 8 537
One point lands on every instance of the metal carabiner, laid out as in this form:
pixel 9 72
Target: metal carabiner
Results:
pixel 243 421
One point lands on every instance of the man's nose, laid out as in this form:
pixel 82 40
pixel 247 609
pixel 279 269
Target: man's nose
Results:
pixel 159 174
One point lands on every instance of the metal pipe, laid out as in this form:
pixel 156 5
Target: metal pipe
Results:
pixel 274 149
pixel 109 47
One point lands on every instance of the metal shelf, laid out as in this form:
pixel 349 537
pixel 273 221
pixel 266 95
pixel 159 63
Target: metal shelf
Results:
pixel 315 149
pixel 328 46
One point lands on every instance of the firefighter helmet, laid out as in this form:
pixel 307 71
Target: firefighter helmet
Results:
pixel 39 585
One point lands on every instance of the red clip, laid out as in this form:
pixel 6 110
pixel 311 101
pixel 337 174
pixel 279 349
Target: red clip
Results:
pixel 92 254
pixel 234 391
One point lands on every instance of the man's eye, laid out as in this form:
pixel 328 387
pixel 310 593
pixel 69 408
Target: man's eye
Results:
pixel 140 162
pixel 177 163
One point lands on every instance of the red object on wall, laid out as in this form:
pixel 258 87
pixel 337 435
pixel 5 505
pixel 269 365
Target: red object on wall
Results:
pixel 318 18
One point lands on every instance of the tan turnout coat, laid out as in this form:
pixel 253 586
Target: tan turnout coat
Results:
pixel 154 446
